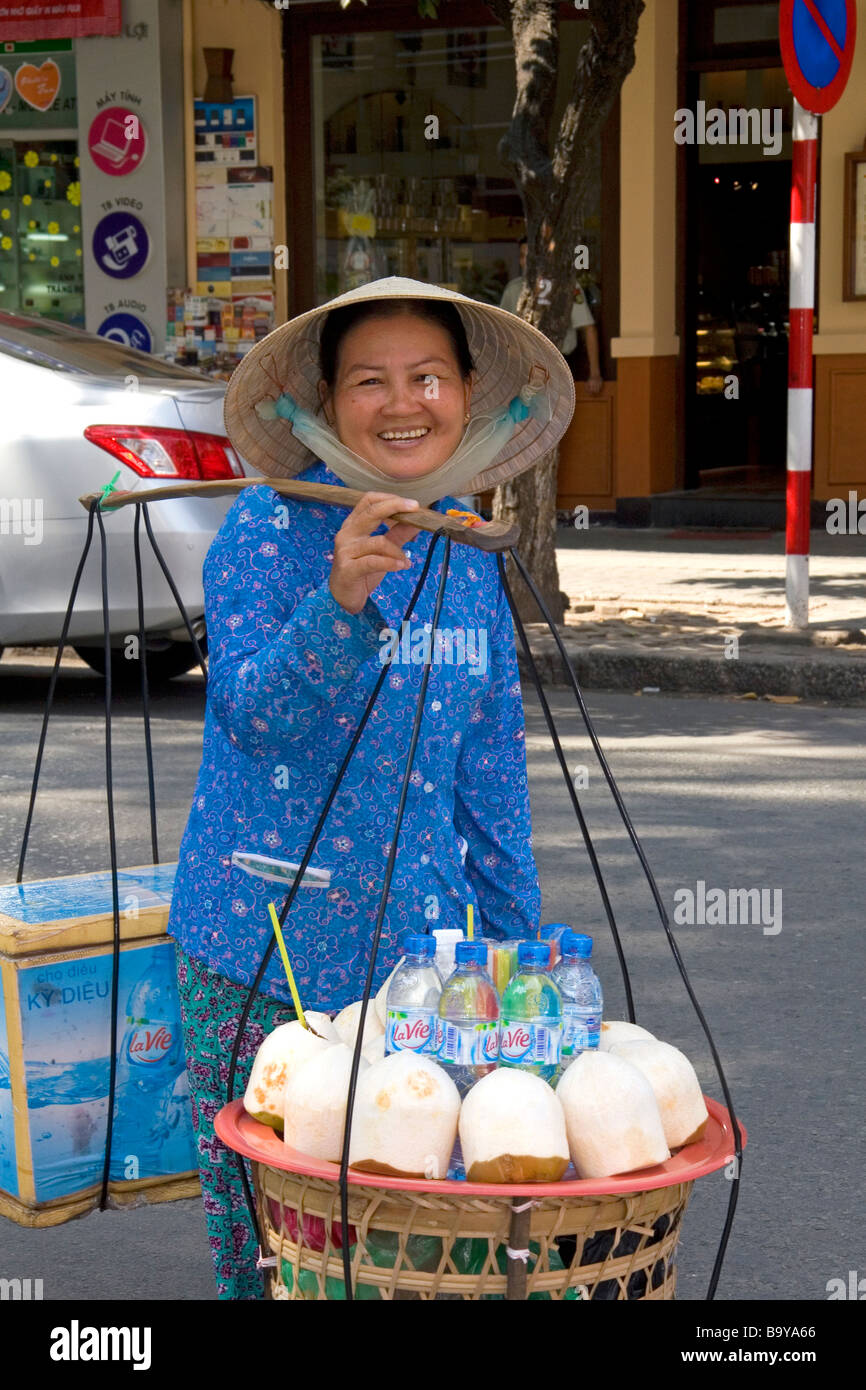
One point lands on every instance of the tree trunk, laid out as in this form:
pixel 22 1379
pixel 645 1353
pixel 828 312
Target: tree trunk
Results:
pixel 553 188
pixel 530 501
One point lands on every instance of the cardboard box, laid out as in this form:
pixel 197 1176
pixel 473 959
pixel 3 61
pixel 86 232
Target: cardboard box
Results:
pixel 55 1041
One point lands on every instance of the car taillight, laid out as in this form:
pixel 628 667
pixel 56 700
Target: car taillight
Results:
pixel 154 452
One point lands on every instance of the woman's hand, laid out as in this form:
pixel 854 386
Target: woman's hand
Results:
pixel 362 560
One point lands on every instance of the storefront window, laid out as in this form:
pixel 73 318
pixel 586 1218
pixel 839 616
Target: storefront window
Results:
pixel 41 269
pixel 40 229
pixel 406 172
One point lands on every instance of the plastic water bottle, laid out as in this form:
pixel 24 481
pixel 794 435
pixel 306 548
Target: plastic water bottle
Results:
pixel 531 1036
pixel 581 997
pixel 151 1071
pixel 469 1016
pixel 412 1001
pixel 446 939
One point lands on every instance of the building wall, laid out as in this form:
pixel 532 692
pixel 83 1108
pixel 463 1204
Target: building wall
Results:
pixel 644 431
pixel 648 345
pixel 254 31
pixel 840 343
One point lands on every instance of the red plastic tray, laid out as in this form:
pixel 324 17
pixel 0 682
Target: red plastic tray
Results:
pixel 256 1141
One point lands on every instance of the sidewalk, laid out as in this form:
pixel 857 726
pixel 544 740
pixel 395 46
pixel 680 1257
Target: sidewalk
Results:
pixel 704 611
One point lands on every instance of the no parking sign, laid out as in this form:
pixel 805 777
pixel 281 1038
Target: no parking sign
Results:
pixel 817 40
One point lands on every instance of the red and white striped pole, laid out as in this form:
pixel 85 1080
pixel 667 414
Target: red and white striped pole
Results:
pixel 800 394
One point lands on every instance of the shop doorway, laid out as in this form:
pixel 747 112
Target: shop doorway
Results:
pixel 736 303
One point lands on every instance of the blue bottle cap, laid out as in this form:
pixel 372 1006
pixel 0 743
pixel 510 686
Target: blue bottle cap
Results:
pixel 576 943
pixel 533 953
pixel 419 946
pixel 552 930
pixel 470 953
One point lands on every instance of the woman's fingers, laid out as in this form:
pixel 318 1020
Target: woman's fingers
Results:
pixel 373 509
pixel 380 546
pixel 401 533
pixel 361 560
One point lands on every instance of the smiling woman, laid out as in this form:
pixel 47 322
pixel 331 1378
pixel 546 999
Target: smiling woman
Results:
pixel 417 392
pixel 396 382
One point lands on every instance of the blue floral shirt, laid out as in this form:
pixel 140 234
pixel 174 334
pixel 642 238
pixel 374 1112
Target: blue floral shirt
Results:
pixel 290 674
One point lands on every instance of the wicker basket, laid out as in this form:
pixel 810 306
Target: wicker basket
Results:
pixel 420 1245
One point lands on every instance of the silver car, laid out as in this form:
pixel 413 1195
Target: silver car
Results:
pixel 78 409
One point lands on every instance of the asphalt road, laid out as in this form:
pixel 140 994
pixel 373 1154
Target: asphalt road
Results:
pixel 737 795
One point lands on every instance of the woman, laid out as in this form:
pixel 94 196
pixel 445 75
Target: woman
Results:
pixel 414 394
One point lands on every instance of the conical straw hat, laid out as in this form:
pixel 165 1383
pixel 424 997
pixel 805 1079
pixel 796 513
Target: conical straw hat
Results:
pixel 504 349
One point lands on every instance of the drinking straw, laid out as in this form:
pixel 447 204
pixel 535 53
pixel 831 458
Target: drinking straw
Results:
pixel 288 969
pixel 470 927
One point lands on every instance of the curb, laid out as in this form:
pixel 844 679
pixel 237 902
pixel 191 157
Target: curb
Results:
pixel 839 679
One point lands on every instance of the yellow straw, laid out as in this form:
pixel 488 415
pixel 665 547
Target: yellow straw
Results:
pixel 470 929
pixel 288 969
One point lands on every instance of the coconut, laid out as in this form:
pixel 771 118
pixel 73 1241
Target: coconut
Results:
pixel 374 1051
pixel 512 1129
pixel 315 1103
pixel 611 1116
pixel 405 1118
pixel 675 1086
pixel 617 1031
pixel 346 1024
pixel 281 1053
pixel 382 997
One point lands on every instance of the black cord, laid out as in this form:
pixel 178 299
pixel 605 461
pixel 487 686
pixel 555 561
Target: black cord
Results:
pixel 145 692
pixel 112 849
pixel 308 853
pixel 584 829
pixel 632 834
pixel 174 592
pixel 49 701
pixel 377 932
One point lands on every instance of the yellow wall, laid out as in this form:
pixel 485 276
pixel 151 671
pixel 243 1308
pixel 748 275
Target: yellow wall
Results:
pixel 842 327
pixel 648 190
pixel 643 439
pixel 254 31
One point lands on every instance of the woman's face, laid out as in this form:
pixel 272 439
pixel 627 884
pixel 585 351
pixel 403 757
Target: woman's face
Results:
pixel 399 400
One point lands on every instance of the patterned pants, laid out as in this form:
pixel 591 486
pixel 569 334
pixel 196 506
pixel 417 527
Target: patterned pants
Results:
pixel 210 1007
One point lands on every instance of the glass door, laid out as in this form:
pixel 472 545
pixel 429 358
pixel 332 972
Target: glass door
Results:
pixel 739 190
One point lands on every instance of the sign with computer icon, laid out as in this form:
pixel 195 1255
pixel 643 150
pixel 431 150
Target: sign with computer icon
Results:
pixel 117 140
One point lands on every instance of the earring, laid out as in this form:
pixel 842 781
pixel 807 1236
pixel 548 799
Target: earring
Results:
pixel 466 418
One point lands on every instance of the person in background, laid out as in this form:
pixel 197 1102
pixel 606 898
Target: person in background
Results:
pixel 581 318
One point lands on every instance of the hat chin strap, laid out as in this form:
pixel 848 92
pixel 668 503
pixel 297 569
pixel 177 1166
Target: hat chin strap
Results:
pixel 484 437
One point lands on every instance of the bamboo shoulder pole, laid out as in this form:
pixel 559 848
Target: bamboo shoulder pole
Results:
pixel 485 535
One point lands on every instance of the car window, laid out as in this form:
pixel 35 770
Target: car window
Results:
pixel 61 348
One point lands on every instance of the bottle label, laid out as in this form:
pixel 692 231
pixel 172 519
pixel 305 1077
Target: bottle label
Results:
pixel 536 1044
pixel 410 1030
pixel 581 1029
pixel 149 1043
pixel 469 1044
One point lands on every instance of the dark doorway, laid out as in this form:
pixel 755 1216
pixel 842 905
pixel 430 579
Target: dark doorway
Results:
pixel 736 302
